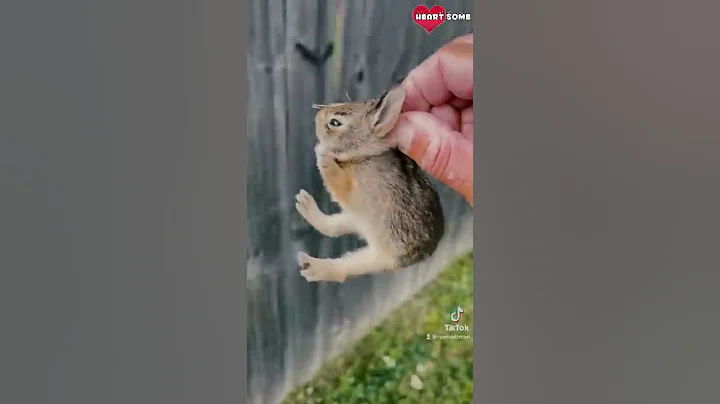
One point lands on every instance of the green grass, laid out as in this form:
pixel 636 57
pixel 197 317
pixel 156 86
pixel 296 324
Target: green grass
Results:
pixel 379 367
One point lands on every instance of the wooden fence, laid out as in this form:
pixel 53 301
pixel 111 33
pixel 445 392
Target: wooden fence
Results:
pixel 303 52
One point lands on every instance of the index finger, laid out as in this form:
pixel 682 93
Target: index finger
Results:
pixel 444 76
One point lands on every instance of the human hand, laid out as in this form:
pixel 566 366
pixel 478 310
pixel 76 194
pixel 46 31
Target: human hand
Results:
pixel 436 126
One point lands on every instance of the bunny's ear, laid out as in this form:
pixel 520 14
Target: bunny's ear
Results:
pixel 387 111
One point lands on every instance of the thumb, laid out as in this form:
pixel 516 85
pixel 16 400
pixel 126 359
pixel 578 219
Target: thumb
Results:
pixel 438 149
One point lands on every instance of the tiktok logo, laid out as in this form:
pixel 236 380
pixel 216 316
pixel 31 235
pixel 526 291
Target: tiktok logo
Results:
pixel 456 315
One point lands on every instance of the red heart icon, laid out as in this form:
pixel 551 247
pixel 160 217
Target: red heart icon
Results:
pixel 428 19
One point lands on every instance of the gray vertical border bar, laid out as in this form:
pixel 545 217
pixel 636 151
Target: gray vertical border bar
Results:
pixel 175 107
pixel 176 79
pixel 123 229
pixel 598 202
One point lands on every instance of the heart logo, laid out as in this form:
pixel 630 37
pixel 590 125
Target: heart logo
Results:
pixel 428 19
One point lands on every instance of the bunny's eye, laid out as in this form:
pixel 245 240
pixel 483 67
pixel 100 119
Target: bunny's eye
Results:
pixel 335 123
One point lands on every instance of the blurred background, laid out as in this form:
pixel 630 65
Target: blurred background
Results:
pixel 304 52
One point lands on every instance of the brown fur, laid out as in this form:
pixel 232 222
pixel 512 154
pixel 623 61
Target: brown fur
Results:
pixel 339 180
pixel 385 197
